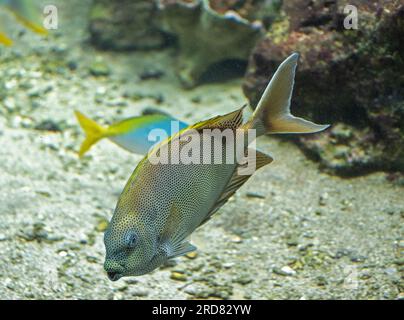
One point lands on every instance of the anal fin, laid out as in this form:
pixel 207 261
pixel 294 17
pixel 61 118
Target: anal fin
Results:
pixel 181 249
pixel 237 180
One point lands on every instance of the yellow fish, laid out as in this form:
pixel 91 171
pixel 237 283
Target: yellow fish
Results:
pixel 27 14
pixel 164 202
pixel 132 134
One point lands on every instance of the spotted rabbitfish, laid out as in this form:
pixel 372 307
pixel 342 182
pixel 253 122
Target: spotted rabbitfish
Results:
pixel 163 203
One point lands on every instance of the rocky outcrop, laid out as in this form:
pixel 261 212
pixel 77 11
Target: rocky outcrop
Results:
pixel 206 36
pixel 252 10
pixel 353 79
pixel 125 25
pixel 206 32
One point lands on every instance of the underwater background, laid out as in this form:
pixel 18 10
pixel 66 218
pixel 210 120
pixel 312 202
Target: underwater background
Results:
pixel 323 221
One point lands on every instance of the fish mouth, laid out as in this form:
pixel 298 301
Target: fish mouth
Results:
pixel 114 270
pixel 114 276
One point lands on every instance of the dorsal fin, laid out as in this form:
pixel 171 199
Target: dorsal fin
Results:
pixel 237 180
pixel 231 120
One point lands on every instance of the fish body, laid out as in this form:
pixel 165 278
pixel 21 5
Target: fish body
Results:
pixel 26 13
pixel 132 134
pixel 163 203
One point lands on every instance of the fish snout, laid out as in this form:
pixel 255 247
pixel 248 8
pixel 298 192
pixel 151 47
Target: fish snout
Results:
pixel 114 269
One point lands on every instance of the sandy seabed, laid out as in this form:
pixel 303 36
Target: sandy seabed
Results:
pixel 308 235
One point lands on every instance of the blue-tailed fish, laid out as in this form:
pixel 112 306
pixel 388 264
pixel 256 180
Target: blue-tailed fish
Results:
pixel 131 134
pixel 27 13
pixel 162 204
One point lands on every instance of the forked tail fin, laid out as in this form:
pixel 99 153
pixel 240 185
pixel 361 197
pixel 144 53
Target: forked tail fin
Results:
pixel 92 129
pixel 272 114
pixel 5 40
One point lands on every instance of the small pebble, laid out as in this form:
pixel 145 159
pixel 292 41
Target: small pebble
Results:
pixel 292 241
pixel 102 225
pixel 92 259
pixel 48 125
pixel 288 271
pixel 255 195
pixel 139 293
pixel 99 68
pixel 196 99
pixel 151 74
pixel 124 287
pixel 399 261
pixel 178 276
pixel 321 281
pixel 62 253
pixel 365 275
pixel 284 271
pixel 243 280
pixel 191 255
pixel 236 239
pixel 322 201
pixel 357 258
pixel 319 212
pixel 228 265
pixel 131 281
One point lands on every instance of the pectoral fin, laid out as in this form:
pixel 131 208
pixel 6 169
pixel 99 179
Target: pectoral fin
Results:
pixel 182 249
pixel 173 236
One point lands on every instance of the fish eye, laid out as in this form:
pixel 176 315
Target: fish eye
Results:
pixel 131 239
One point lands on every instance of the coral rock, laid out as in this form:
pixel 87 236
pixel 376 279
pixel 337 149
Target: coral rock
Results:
pixel 125 25
pixel 352 77
pixel 206 37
